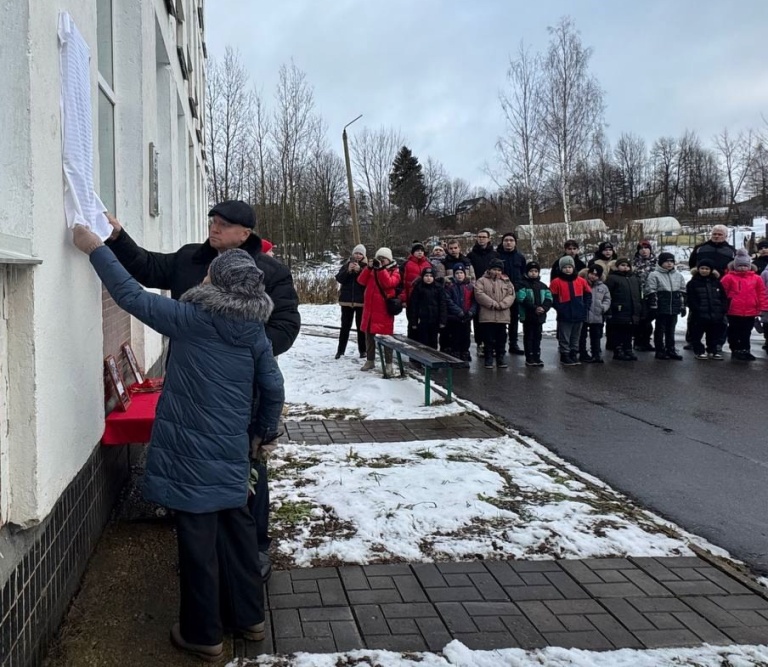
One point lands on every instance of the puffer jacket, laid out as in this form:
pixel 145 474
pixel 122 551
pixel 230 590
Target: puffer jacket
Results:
pixel 460 300
pixel 746 293
pixel 351 292
pixel 626 297
pixel 428 304
pixel 532 294
pixel 572 296
pixel 480 258
pixel 601 303
pixel 412 269
pixel 185 268
pixel 451 261
pixel 514 264
pixel 720 253
pixel 706 297
pixel 665 291
pixel 199 455
pixel 491 292
pixel 376 318
pixel 439 267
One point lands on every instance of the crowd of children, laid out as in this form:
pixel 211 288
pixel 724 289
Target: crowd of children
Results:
pixel 634 303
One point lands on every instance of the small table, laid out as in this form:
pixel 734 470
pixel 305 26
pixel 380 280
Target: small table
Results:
pixel 135 424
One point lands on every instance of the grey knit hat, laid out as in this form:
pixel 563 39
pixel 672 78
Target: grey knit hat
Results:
pixel 236 271
pixel 742 258
pixel 566 260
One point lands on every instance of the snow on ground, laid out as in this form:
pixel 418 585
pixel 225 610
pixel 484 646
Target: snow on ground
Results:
pixel 456 654
pixel 448 500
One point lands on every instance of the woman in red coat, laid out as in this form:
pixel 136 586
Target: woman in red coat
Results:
pixel 380 280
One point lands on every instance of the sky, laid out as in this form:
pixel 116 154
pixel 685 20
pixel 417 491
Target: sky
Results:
pixel 433 69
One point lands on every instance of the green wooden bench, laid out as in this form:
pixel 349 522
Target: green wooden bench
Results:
pixel 428 357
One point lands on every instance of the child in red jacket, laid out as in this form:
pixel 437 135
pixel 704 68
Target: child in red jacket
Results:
pixel 748 298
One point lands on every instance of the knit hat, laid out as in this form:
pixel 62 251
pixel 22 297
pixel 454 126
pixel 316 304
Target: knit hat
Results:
pixel 512 234
pixel 496 264
pixel 742 259
pixel 236 271
pixel 459 267
pixel 236 212
pixel 566 260
pixel 418 246
pixel 597 270
pixel 570 242
pixel 266 246
pixel 384 252
pixel 428 271
pixel 605 245
pixel 532 265
pixel 359 248
pixel 666 257
pixel 645 243
pixel 762 243
pixel 705 262
pixel 623 260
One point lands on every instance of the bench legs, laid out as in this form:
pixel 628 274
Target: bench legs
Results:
pixel 450 385
pixel 427 383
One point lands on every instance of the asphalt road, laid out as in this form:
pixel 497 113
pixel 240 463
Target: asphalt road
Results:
pixel 687 439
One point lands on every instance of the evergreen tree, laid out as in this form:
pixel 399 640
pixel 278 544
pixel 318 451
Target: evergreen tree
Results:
pixel 406 182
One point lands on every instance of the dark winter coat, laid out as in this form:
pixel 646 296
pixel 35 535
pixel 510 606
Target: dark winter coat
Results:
pixel 665 291
pixel 761 262
pixel 411 271
pixel 720 253
pixel 626 297
pixel 642 267
pixel 185 268
pixel 480 258
pixel 514 264
pixel 706 297
pixel 351 292
pixel 460 300
pixel 376 318
pixel 427 304
pixel 451 261
pixel 572 297
pixel 199 455
pixel 555 272
pixel 531 294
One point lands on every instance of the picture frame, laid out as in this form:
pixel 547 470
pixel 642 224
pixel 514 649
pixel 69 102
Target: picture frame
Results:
pixel 132 363
pixel 117 383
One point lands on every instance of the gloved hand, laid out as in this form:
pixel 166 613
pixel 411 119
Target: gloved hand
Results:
pixel 85 240
pixel 262 447
pixel 683 311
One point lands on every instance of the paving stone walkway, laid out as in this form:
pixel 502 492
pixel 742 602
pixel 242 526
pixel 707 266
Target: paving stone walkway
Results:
pixel 328 431
pixel 597 604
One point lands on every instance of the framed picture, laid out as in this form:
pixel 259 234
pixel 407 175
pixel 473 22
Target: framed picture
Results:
pixel 116 381
pixel 132 363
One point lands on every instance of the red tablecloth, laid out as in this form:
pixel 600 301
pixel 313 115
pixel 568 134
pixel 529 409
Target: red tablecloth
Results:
pixel 133 425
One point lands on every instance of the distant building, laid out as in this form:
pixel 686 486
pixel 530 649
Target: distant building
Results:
pixel 147 87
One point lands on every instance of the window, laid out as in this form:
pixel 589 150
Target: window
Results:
pixel 106 135
pixel 104 40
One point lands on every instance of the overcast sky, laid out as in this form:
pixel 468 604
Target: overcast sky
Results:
pixel 433 68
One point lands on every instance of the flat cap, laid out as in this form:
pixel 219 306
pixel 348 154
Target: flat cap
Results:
pixel 235 211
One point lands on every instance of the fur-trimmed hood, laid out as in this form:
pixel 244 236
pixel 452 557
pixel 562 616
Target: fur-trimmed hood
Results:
pixel 233 306
pixel 715 274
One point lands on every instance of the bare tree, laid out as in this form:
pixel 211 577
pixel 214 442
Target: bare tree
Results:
pixel 229 114
pixel 631 157
pixel 735 155
pixel 454 192
pixel 573 105
pixel 664 156
pixel 435 178
pixel 372 153
pixel 521 149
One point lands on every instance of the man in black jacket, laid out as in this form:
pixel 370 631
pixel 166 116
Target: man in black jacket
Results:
pixel 231 225
pixel 514 268
pixel 571 248
pixel 480 257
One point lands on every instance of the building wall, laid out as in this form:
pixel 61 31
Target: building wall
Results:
pixel 56 324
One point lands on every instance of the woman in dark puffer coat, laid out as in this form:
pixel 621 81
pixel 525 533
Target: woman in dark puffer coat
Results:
pixel 198 462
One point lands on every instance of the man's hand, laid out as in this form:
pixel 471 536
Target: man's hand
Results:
pixel 85 240
pixel 116 226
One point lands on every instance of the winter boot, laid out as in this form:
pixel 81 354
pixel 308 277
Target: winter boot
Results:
pixel 514 348
pixel 501 362
pixel 585 357
pixel 254 633
pixel 673 354
pixel 539 362
pixel 489 362
pixel 530 361
pixel 368 366
pixel 597 358
pixel 618 354
pixel 661 355
pixel 566 360
pixel 630 356
pixel 202 651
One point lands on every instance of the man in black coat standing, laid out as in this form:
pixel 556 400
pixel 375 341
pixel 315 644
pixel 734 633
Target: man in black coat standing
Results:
pixel 480 257
pixel 571 248
pixel 514 268
pixel 231 225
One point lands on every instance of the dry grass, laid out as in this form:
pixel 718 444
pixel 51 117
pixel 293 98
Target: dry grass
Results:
pixel 316 287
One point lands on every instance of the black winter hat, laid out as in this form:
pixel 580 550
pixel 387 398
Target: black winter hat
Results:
pixel 604 246
pixel 236 271
pixel 532 265
pixel 428 271
pixel 706 262
pixel 665 257
pixel 235 211
pixel 597 270
pixel 623 260
pixel 496 264
pixel 459 267
pixel 762 243
pixel 418 246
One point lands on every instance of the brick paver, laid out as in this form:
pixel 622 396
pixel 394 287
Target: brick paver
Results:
pixel 594 603
pixel 329 431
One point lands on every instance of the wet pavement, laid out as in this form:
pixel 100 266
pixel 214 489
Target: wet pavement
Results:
pixel 687 439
